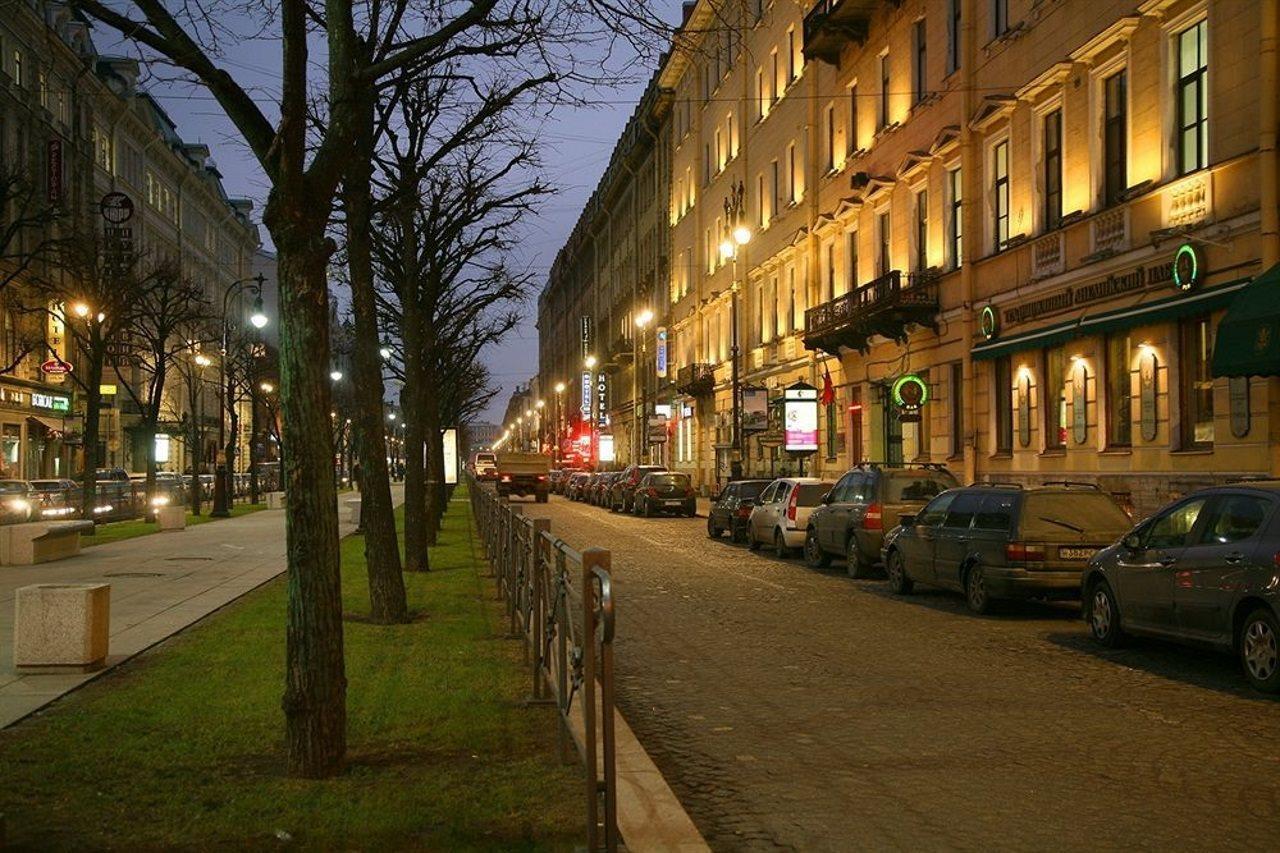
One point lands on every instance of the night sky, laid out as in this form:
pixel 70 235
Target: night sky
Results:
pixel 578 142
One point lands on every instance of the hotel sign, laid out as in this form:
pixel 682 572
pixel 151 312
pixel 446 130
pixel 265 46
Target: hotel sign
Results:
pixel 1119 284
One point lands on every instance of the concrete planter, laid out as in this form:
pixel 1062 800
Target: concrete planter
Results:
pixel 62 625
pixel 40 541
pixel 275 500
pixel 171 517
pixel 351 511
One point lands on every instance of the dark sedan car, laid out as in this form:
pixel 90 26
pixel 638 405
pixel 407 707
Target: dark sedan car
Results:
pixel 56 498
pixel 665 493
pixel 1204 570
pixel 622 488
pixel 1004 541
pixel 731 509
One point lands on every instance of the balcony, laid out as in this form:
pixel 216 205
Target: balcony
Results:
pixel 696 380
pixel 884 306
pixel 831 24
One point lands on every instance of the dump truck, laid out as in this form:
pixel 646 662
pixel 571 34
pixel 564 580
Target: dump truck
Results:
pixel 524 474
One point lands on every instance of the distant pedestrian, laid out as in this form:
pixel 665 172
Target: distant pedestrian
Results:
pixel 355 476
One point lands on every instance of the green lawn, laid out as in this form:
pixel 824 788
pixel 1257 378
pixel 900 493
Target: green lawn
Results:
pixel 114 531
pixel 182 748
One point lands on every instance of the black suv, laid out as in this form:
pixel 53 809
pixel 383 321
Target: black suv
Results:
pixel 621 491
pixel 731 509
pixel 865 503
pixel 1200 571
pixel 995 541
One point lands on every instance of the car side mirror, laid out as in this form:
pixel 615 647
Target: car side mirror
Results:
pixel 758 502
pixel 826 499
pixel 1132 542
pixel 906 519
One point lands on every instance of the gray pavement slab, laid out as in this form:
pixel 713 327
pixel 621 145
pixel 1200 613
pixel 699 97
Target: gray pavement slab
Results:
pixel 160 584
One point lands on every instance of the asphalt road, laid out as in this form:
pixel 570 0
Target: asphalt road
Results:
pixel 799 709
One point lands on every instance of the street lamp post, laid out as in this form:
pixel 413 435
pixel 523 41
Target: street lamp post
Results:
pixel 638 386
pixel 556 425
pixel 222 473
pixel 736 236
pixel 199 362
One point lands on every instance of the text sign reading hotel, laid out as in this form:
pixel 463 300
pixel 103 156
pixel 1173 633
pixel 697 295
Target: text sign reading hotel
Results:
pixel 1071 297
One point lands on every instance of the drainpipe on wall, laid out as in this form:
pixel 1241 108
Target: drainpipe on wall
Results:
pixel 1269 177
pixel 970 210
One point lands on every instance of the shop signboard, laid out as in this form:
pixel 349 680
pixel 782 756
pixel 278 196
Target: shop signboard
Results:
pixel 52 402
pixel 586 394
pixel 606 448
pixel 602 399
pixel 657 429
pixel 800 418
pixel 55 367
pixel 661 352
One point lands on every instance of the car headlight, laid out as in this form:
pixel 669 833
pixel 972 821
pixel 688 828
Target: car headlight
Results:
pixel 160 500
pixel 19 505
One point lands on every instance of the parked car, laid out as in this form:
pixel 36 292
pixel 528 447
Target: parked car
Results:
pixel 731 509
pixel 600 492
pixel 781 513
pixel 622 491
pixel 56 498
pixel 851 521
pixel 16 502
pixel 665 492
pixel 556 480
pixel 591 489
pixel 573 490
pixel 1201 571
pixel 997 541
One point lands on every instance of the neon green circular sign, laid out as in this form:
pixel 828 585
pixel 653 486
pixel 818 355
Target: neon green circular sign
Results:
pixel 910 392
pixel 989 322
pixel 1186 267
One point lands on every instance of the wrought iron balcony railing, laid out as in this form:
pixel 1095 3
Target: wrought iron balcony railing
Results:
pixel 697 380
pixel 883 306
pixel 832 24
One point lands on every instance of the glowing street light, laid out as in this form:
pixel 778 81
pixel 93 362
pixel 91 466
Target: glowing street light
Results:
pixel 259 317
pixel 645 318
pixel 267 387
pixel 81 309
pixel 203 360
pixel 335 375
pixel 559 387
pixel 589 361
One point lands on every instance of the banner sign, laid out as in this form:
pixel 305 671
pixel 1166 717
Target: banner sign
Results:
pixel 755 409
pixel 662 352
pixel 54 162
pixel 585 333
pixel 450 438
pixel 586 394
pixel 606 448
pixel 800 418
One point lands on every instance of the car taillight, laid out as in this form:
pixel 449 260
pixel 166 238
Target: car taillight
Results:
pixel 542 477
pixel 1276 559
pixel 791 504
pixel 744 511
pixel 1021 552
pixel 873 518
pixel 506 478
pixel 651 492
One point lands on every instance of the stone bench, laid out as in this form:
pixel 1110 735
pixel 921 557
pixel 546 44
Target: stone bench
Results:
pixel 275 500
pixel 171 517
pixel 61 625
pixel 351 511
pixel 40 541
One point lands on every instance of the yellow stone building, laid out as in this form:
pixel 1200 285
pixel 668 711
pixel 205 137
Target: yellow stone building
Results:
pixel 1039 209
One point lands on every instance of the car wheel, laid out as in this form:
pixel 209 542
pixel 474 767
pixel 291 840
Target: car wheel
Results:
pixel 857 567
pixel 713 531
pixel 975 590
pixel 752 544
pixel 814 556
pixel 737 535
pixel 780 549
pixel 647 511
pixel 899 583
pixel 1260 650
pixel 1104 616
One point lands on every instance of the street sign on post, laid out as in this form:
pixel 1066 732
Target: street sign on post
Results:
pixel 657 429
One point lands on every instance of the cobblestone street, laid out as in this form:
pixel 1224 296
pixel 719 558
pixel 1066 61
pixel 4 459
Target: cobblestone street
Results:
pixel 800 709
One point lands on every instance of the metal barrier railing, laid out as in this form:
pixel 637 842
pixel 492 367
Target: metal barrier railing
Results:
pixel 560 603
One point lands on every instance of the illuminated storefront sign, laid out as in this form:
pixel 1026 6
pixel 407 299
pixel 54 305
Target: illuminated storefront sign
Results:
pixel 606 448
pixel 602 400
pixel 662 352
pixel 586 394
pixel 56 402
pixel 800 418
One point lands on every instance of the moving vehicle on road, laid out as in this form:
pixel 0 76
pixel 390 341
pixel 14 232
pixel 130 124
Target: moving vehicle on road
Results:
pixel 851 521
pixel 1205 571
pixel 622 490
pixel 56 498
pixel 485 465
pixel 665 493
pixel 731 509
pixel 16 502
pixel 1004 541
pixel 523 474
pixel 781 513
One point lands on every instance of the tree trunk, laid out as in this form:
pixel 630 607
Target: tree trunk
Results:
pixel 315 680
pixel 387 602
pixel 229 451
pixel 415 397
pixel 439 491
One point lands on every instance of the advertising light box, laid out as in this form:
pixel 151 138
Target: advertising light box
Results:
pixel 800 418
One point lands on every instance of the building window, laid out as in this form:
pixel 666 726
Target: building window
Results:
pixel 778 83
pixel 1119 392
pixel 955 219
pixel 851 259
pixel 953 36
pixel 763 202
pixel 957 409
pixel 706 163
pixel 762 95
pixel 1197 383
pixel 1193 111
pixel 1054 396
pixel 831 273
pixel 922 230
pixel 777 188
pixel 1000 194
pixel 1003 391
pixel 1052 170
pixel 791 297
pixel 730 137
pixel 999 17
pixel 831 137
pixel 17 69
pixel 882 116
pixel 853 118
pixel 1115 167
pixel 884 260
pixel 793 174
pixel 794 58
pixel 920 63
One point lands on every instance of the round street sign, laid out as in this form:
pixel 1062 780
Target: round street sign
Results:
pixel 910 393
pixel 116 208
pixel 55 367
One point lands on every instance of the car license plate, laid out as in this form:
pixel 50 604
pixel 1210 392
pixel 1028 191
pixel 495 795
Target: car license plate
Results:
pixel 674 503
pixel 1076 553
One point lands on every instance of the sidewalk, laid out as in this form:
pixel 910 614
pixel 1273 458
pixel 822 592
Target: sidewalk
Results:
pixel 160 584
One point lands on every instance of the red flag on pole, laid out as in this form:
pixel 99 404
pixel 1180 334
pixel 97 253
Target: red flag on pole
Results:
pixel 828 390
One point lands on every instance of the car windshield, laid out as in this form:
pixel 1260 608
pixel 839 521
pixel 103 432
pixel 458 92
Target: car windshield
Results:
pixel 751 490
pixel 12 487
pixel 811 493
pixel 681 480
pixel 47 485
pixel 1058 513
pixel 485 457
pixel 903 486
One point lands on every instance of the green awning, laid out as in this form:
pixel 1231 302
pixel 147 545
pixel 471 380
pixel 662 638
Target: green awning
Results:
pixel 1248 338
pixel 1146 313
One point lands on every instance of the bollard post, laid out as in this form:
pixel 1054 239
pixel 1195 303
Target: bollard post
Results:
pixel 529 589
pixel 592 558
